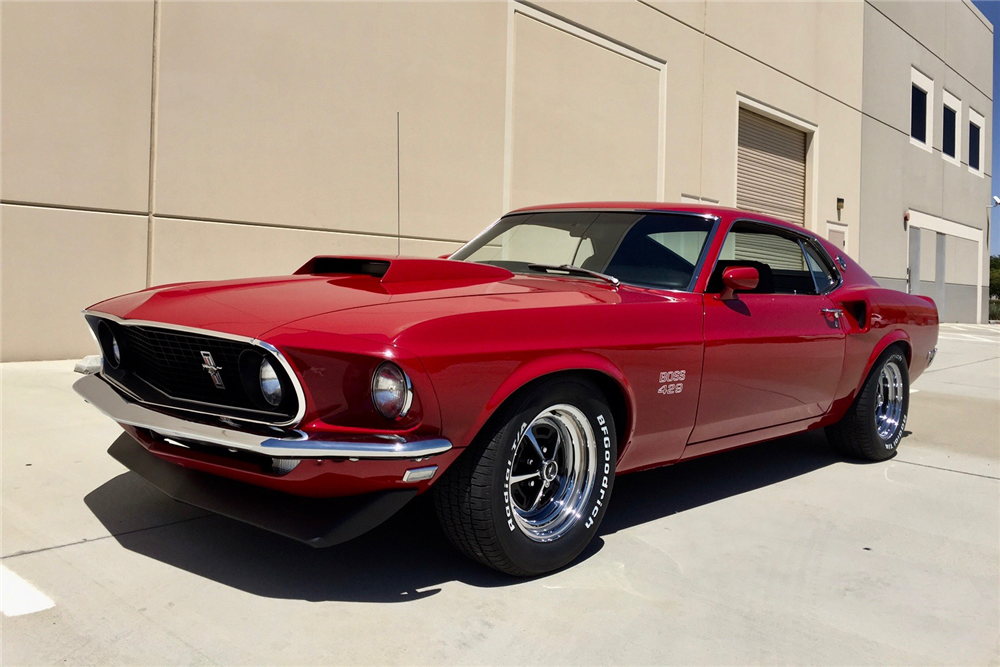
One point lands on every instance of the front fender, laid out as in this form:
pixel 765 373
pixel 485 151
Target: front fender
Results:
pixel 538 368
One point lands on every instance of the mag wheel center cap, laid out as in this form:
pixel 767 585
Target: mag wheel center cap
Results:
pixel 549 471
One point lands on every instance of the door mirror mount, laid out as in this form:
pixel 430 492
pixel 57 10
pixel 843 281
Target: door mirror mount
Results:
pixel 738 279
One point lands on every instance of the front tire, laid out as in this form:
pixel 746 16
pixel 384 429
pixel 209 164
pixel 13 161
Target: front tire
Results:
pixel 875 422
pixel 529 495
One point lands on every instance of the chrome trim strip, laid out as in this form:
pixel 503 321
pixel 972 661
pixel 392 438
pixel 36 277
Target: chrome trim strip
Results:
pixel 671 211
pixel 294 444
pixel 292 375
pixel 165 325
pixel 137 399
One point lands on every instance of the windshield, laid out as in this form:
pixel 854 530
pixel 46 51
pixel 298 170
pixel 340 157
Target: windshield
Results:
pixel 647 249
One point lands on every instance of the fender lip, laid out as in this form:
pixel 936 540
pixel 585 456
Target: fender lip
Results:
pixel 318 522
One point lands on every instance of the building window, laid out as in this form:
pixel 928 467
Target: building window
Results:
pixel 921 114
pixel 974 146
pixel 951 125
pixel 918 115
pixel 976 142
pixel 948 140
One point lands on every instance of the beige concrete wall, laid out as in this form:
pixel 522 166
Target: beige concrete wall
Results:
pixel 76 90
pixel 286 114
pixel 56 262
pixel 280 130
pixel 819 44
pixel 585 120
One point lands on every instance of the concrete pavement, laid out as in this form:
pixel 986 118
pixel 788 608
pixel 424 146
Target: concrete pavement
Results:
pixel 777 553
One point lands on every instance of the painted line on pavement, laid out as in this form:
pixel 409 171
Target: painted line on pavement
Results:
pixel 18 597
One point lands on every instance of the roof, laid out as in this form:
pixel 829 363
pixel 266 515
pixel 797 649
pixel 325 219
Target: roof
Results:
pixel 724 212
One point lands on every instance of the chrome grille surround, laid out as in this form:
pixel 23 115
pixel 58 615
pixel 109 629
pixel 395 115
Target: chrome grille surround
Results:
pixel 217 340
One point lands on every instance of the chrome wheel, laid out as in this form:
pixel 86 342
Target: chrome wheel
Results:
pixel 552 472
pixel 889 400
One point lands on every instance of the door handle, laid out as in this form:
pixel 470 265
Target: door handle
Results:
pixel 836 312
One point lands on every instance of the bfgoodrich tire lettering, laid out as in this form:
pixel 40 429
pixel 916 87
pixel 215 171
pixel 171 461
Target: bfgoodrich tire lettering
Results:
pixel 874 424
pixel 535 484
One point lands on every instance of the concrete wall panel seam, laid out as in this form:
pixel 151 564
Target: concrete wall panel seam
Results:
pixel 153 102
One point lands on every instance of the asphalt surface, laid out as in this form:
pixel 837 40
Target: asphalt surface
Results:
pixel 777 553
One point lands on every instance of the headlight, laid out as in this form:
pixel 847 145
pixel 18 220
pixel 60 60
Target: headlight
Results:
pixel 109 344
pixel 270 385
pixel 391 391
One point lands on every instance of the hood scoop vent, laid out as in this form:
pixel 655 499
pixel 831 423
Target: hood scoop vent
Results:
pixel 404 269
pixel 357 266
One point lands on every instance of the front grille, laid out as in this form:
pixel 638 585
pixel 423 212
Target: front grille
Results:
pixel 165 368
pixel 171 361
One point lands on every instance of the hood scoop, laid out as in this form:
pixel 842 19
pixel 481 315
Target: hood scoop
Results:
pixel 405 269
pixel 353 266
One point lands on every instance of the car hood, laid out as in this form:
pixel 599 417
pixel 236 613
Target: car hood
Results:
pixel 252 307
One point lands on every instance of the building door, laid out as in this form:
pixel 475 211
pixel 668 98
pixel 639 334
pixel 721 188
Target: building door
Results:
pixel 771 168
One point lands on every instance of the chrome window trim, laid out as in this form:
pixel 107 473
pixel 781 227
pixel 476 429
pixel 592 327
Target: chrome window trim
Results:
pixel 830 264
pixel 711 216
pixel 803 236
pixel 292 375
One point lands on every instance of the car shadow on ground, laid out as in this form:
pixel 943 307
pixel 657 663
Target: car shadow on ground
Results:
pixel 408 557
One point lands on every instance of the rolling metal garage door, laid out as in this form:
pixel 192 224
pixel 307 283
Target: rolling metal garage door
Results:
pixel 771 168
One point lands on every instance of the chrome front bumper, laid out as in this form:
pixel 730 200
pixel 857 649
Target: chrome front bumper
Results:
pixel 292 444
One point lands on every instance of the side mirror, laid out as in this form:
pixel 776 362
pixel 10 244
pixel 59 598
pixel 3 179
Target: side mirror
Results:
pixel 738 279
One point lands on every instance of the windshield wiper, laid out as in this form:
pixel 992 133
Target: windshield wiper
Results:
pixel 569 268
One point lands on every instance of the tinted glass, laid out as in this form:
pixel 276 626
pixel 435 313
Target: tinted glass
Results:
pixel 661 252
pixel 648 249
pixel 974 145
pixel 918 115
pixel 777 257
pixel 948 140
pixel 822 274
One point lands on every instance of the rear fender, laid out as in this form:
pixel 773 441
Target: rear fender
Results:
pixel 891 338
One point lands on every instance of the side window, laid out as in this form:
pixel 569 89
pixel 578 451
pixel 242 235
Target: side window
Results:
pixel 777 257
pixel 661 251
pixel 823 275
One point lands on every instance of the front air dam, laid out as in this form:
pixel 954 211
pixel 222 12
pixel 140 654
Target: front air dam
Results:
pixel 318 522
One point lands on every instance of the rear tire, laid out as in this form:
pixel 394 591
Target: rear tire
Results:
pixel 874 424
pixel 529 494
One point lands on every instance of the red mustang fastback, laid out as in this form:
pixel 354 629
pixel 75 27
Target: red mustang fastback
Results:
pixel 564 345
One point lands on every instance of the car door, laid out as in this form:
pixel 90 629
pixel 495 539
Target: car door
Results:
pixel 773 355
